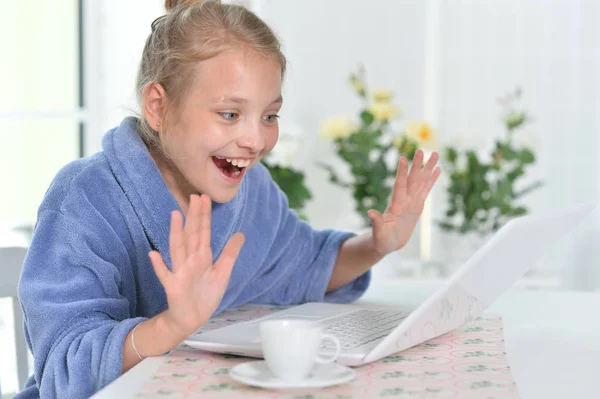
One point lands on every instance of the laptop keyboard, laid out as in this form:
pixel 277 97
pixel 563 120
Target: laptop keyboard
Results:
pixel 361 327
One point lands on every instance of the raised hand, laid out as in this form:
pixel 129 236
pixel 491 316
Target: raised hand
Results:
pixel 392 230
pixel 194 286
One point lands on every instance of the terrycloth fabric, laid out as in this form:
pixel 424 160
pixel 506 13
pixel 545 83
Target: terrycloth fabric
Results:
pixel 87 278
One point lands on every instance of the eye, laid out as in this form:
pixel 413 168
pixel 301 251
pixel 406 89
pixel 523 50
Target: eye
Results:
pixel 271 118
pixel 230 116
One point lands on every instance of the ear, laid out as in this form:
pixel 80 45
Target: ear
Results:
pixel 154 105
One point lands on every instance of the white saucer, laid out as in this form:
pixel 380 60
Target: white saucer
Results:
pixel 258 374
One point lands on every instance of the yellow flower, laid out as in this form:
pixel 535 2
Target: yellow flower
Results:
pixel 381 95
pixel 422 133
pixel 336 127
pixel 384 111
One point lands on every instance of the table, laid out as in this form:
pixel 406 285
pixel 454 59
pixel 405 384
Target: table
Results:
pixel 552 340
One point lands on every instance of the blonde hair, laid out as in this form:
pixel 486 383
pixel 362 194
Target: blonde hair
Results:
pixel 193 31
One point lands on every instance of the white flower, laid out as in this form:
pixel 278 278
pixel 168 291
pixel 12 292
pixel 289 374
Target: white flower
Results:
pixel 381 95
pixel 336 127
pixel 288 146
pixel 384 111
pixel 423 134
pixel 528 141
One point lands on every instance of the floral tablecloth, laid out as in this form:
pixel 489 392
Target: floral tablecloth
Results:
pixel 467 363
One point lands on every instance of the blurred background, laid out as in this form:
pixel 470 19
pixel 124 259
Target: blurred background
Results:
pixel 510 83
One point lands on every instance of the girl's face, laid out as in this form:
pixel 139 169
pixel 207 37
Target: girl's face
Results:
pixel 226 124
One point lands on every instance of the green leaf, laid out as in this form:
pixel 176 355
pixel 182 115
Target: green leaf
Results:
pixel 532 187
pixel 505 189
pixel 408 148
pixel 367 118
pixel 515 119
pixel 519 211
pixel 526 156
pixel 472 162
pixel 508 153
pixel 446 226
pixel 291 182
pixel 451 155
pixel 515 173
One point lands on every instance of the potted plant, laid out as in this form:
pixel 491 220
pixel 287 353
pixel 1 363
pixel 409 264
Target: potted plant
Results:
pixel 371 146
pixel 289 178
pixel 483 192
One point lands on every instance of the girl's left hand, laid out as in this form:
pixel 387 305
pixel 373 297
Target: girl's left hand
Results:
pixel 392 230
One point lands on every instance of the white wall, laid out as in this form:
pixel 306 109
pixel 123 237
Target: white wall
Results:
pixel 324 42
pixel 117 31
pixel 551 49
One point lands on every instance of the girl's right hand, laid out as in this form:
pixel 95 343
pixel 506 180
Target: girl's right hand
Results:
pixel 194 286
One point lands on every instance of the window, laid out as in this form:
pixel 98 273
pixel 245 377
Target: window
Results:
pixel 41 124
pixel 41 106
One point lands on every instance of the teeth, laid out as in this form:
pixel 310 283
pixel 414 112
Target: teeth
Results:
pixel 240 163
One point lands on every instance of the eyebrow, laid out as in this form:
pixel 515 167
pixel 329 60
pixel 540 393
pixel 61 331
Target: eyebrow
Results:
pixel 239 100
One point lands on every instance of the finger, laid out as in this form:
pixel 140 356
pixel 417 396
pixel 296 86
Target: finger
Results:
pixel 400 183
pixel 435 175
pixel 433 159
pixel 224 265
pixel 205 218
pixel 426 188
pixel 193 222
pixel 176 240
pixel 415 170
pixel 424 184
pixel 159 267
pixel 376 220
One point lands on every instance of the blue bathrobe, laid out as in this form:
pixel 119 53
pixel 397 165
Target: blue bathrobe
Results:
pixel 87 279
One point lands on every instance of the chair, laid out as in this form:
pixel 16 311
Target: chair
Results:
pixel 11 263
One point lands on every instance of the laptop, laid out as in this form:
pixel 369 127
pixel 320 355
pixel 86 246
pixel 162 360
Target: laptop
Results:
pixel 368 333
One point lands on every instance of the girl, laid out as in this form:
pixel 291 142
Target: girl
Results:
pixel 114 274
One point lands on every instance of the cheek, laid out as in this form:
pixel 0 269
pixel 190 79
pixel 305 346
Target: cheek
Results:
pixel 179 146
pixel 171 144
pixel 195 144
pixel 271 139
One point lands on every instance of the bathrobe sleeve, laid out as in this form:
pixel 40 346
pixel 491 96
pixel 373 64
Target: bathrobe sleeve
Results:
pixel 299 257
pixel 70 290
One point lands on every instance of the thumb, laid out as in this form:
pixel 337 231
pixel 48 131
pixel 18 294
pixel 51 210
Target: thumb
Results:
pixel 224 265
pixel 376 219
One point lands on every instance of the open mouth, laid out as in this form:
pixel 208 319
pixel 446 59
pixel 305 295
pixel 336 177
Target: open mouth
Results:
pixel 231 168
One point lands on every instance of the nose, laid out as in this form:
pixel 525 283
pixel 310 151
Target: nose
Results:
pixel 252 138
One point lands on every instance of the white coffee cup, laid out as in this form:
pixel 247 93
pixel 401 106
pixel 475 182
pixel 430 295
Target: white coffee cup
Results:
pixel 291 347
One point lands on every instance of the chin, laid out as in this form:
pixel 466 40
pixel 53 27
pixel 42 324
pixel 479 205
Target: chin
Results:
pixel 222 196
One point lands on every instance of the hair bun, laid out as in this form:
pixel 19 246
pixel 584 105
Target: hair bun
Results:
pixel 171 4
